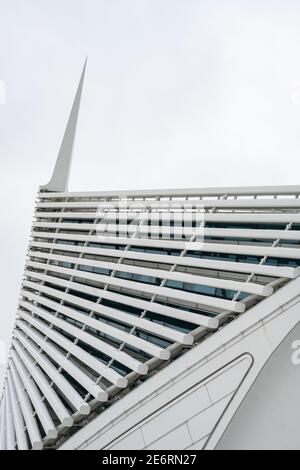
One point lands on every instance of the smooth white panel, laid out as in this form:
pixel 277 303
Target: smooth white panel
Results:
pixel 133 441
pixel 175 414
pixel 177 439
pixel 204 422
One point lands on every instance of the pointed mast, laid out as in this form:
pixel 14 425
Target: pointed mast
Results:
pixel 60 177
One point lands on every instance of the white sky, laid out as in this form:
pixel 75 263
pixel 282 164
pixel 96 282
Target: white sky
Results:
pixel 178 93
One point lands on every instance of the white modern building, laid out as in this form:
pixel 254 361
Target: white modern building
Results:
pixel 156 319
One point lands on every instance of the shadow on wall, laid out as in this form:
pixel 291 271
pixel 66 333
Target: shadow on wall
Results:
pixel 269 416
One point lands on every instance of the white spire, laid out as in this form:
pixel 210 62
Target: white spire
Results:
pixel 60 177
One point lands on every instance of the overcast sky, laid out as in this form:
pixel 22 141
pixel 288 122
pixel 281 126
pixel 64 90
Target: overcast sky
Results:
pixel 178 93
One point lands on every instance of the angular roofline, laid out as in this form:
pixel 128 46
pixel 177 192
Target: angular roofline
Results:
pixel 60 177
pixel 173 192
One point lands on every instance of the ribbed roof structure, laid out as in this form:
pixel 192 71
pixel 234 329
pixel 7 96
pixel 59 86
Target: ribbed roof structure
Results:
pixel 118 284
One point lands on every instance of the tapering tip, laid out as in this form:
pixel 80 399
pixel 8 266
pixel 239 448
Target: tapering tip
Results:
pixel 60 177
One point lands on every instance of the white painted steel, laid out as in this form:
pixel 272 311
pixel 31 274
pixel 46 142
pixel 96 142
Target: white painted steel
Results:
pixel 64 363
pixel 36 373
pixel 19 423
pixel 35 397
pixel 250 217
pixel 120 356
pixel 89 314
pixel 10 429
pixel 114 286
pixel 103 310
pixel 27 409
pixel 219 265
pixel 76 351
pixel 185 192
pixel 197 319
pixel 153 230
pixel 73 397
pixel 158 273
pixel 198 299
pixel 207 203
pixel 3 424
pixel 100 326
